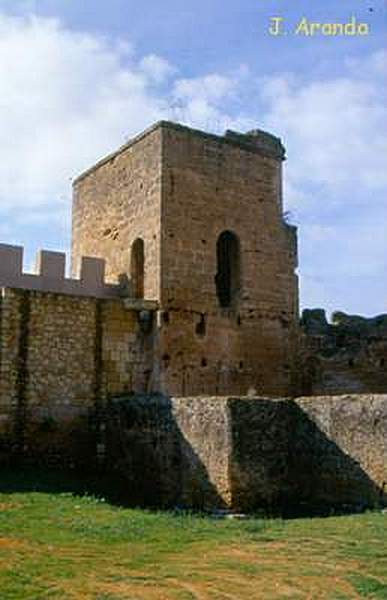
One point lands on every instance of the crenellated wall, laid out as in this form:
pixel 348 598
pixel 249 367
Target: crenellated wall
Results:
pixel 67 342
pixel 50 274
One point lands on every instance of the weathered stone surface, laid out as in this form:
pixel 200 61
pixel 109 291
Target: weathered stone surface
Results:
pixel 348 355
pixel 117 202
pixel 178 189
pixel 171 452
pixel 259 465
pixel 58 352
pixel 338 452
pixel 250 453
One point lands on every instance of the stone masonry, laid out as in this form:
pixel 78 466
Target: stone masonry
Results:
pixel 178 190
pixel 61 357
pixel 348 355
pixel 245 454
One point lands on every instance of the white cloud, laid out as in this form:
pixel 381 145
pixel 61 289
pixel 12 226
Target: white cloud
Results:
pixel 66 98
pixel 156 68
pixel 335 130
pixel 368 67
pixel 210 88
pixel 72 97
pixel 211 102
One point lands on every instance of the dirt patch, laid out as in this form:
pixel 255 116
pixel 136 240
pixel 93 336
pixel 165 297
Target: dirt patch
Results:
pixel 11 543
pixel 8 506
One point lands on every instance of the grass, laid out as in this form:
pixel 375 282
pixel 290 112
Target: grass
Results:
pixel 57 544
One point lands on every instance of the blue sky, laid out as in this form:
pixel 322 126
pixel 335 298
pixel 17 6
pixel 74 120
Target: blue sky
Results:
pixel 79 78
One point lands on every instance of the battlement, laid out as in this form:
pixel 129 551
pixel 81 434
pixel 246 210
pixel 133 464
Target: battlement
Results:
pixel 50 276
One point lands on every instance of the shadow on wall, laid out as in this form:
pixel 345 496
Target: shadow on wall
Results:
pixel 157 465
pixel 327 470
pixel 141 458
pixel 59 437
pixel 283 459
pixel 305 456
pixel 279 455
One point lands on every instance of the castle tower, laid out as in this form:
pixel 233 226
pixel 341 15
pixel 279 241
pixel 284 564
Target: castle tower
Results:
pixel 194 221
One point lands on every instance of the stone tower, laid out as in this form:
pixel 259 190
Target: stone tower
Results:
pixel 194 221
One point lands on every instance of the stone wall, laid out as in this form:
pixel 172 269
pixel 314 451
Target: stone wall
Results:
pixel 171 452
pixel 338 452
pixel 178 189
pixel 348 355
pixel 61 357
pixel 50 274
pixel 322 452
pixel 117 202
pixel 213 184
pixel 251 453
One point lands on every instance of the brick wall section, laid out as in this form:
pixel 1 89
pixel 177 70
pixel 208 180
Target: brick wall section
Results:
pixel 61 358
pixel 116 202
pixel 127 351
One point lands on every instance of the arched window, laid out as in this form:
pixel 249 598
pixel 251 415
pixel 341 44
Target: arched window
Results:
pixel 228 269
pixel 137 262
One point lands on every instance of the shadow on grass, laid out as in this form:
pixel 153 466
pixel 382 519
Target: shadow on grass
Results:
pixel 59 481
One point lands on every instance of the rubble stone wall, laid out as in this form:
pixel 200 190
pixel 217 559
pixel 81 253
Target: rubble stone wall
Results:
pixel 251 453
pixel 346 356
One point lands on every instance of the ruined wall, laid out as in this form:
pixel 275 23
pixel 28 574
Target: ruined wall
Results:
pixel 116 202
pixel 348 355
pixel 213 184
pixel 250 453
pixel 61 356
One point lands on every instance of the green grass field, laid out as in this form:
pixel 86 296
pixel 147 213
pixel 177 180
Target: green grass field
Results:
pixel 60 545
